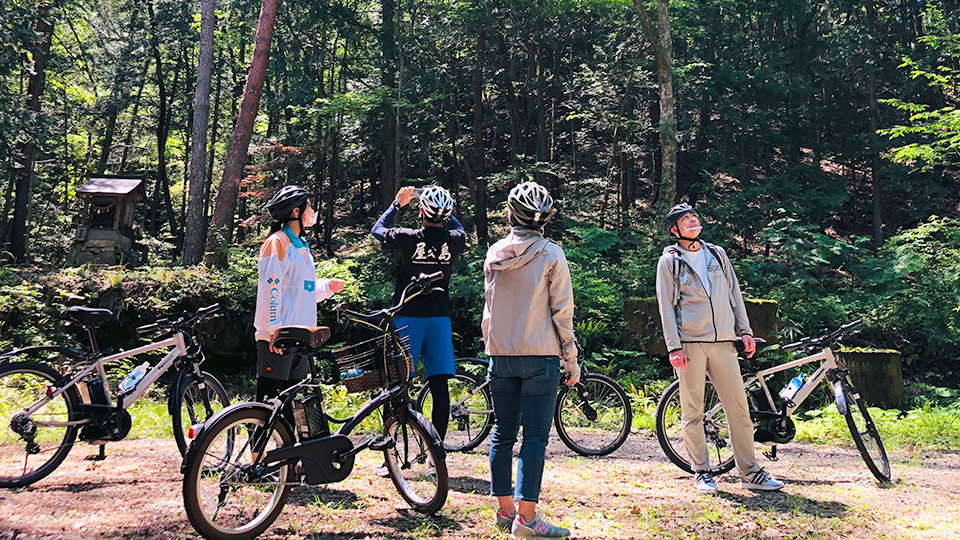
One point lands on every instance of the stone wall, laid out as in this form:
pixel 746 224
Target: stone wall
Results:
pixel 642 330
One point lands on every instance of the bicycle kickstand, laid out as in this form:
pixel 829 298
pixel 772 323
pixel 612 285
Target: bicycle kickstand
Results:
pixel 102 455
pixel 771 454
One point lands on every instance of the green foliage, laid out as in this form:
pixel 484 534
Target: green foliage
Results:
pixel 934 133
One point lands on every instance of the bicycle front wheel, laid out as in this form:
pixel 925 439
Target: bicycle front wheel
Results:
pixel 471 411
pixel 862 428
pixel 669 429
pixel 417 463
pixel 224 495
pixel 29 448
pixel 196 401
pixel 593 418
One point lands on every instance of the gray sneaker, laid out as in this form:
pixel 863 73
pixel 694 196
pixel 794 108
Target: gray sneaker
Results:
pixel 760 481
pixel 505 519
pixel 704 483
pixel 538 528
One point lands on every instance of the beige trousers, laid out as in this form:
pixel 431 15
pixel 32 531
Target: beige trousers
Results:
pixel 720 361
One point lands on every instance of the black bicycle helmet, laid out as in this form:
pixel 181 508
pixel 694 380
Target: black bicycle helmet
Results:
pixel 530 204
pixel 285 200
pixel 674 215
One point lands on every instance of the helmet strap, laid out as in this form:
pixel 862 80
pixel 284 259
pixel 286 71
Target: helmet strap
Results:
pixel 694 242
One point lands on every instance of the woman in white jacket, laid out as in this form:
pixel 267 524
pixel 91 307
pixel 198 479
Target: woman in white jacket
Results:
pixel 528 329
pixel 287 290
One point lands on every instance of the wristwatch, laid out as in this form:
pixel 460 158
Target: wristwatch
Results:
pixel 396 204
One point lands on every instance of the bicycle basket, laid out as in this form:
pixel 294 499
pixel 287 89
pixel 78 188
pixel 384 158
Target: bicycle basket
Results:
pixel 372 360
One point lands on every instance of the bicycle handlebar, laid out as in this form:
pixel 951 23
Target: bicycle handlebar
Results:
pixel 185 320
pixel 825 340
pixel 419 282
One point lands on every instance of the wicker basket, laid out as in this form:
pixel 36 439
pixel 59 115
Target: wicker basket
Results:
pixel 375 357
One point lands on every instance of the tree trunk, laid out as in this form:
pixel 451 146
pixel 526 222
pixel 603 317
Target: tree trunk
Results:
pixel 388 166
pixel 222 223
pixel 18 231
pixel 162 186
pixel 193 240
pixel 208 179
pixel 133 118
pixel 660 42
pixel 877 185
pixel 118 96
pixel 478 184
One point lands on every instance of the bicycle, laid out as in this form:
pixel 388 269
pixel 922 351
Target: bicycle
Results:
pixel 772 425
pixel 243 462
pixel 592 418
pixel 44 409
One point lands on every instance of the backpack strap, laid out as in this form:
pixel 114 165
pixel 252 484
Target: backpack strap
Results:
pixel 676 277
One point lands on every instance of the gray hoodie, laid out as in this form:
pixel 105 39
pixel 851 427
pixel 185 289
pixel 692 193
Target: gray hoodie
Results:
pixel 688 313
pixel 529 299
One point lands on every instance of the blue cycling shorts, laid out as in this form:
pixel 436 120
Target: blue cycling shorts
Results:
pixel 431 341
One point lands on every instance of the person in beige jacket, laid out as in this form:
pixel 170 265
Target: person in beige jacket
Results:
pixel 528 330
pixel 702 312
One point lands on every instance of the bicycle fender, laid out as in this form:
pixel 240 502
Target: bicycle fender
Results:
pixel 435 441
pixel 192 448
pixel 840 397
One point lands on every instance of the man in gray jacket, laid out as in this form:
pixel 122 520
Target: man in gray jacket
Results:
pixel 702 312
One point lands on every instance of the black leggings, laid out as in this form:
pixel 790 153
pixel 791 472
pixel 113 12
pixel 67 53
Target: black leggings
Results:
pixel 441 403
pixel 271 388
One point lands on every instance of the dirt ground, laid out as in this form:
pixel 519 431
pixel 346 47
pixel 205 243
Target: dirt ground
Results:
pixel 635 493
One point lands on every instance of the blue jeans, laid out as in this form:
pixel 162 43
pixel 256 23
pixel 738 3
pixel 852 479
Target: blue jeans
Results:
pixel 524 390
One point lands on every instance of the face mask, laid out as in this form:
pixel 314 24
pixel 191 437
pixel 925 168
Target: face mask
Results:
pixel 309 217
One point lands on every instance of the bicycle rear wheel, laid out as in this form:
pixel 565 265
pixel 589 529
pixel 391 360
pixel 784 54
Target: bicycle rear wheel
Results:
pixel 224 495
pixel 670 430
pixel 417 463
pixel 195 403
pixel 862 428
pixel 593 418
pixel 28 451
pixel 471 411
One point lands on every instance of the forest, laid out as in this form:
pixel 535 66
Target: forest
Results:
pixel 818 140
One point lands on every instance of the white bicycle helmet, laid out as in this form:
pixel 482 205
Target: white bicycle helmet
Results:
pixel 436 203
pixel 531 204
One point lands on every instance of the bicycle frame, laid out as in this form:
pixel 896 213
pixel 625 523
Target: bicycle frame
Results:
pixel 828 364
pixel 179 349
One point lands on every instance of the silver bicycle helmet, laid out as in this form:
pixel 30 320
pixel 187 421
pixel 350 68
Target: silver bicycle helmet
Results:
pixel 436 203
pixel 531 204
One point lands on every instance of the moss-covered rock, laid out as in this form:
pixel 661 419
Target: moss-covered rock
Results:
pixel 642 330
pixel 878 376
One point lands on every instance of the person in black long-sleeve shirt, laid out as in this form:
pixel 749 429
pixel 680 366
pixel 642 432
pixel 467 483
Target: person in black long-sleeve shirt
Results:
pixel 425 319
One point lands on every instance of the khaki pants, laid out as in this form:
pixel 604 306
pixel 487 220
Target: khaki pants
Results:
pixel 720 361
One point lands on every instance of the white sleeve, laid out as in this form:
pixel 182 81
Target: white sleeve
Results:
pixel 323 289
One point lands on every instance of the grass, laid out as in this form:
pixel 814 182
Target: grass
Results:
pixel 927 428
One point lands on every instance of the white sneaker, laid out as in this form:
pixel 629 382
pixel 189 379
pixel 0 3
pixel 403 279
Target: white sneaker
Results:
pixel 381 470
pixel 760 481
pixel 704 483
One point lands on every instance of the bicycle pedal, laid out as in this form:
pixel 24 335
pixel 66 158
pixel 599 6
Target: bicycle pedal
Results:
pixel 381 443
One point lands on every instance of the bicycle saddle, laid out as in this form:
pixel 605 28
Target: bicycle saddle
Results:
pixel 94 317
pixel 301 336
